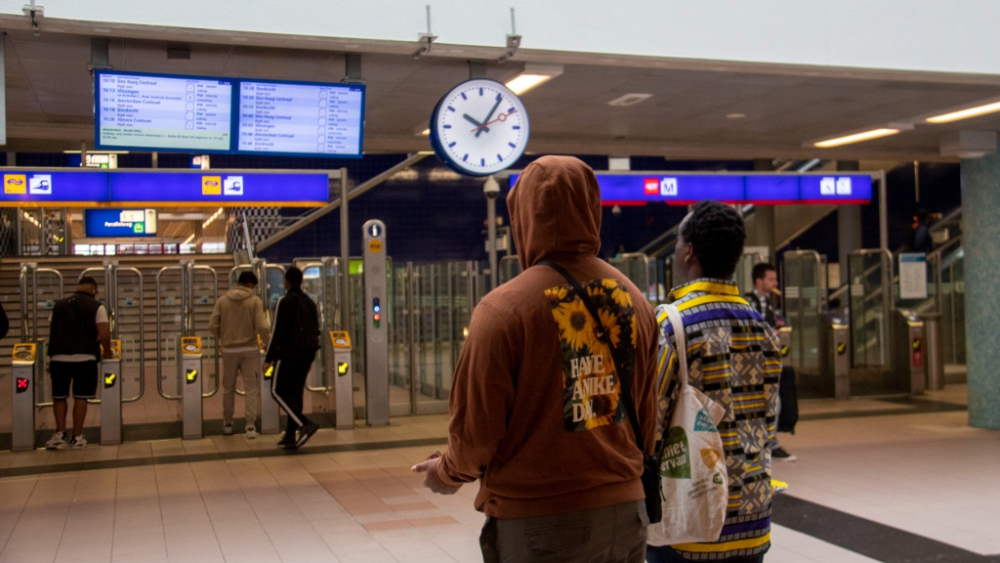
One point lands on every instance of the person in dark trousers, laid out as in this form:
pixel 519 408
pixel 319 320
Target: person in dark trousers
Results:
pixel 294 341
pixel 78 329
pixel 765 281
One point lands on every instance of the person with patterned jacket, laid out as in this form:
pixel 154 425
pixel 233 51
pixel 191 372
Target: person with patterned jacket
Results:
pixel 734 358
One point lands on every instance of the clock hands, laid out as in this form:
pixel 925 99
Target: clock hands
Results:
pixel 474 122
pixel 488 116
pixel 501 117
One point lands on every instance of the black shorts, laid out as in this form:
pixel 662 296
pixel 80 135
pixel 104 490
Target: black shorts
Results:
pixel 83 375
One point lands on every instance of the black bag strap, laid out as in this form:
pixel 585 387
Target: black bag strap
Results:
pixel 602 335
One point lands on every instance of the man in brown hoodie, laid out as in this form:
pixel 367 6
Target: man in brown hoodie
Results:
pixel 238 321
pixel 536 409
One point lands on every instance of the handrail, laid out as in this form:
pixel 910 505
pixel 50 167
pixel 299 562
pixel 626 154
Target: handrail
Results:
pixel 142 337
pixel 218 347
pixel 312 216
pixel 159 337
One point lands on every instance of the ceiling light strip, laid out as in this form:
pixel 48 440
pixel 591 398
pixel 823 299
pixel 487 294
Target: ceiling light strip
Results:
pixel 856 138
pixel 965 113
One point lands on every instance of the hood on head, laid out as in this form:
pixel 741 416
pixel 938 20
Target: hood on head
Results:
pixel 555 209
pixel 240 293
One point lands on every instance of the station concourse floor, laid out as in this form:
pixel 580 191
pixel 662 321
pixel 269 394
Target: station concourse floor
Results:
pixel 888 480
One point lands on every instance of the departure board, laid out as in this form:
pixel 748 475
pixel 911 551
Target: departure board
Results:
pixel 300 118
pixel 163 112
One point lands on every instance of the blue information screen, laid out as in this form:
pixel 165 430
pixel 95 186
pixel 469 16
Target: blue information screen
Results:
pixel 161 112
pixel 763 189
pixel 206 114
pixel 120 222
pixel 300 118
pixel 22 187
pixel 287 190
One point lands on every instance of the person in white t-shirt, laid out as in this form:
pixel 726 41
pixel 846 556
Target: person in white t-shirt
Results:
pixel 78 330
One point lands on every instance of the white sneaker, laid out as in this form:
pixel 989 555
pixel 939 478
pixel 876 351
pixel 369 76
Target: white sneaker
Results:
pixel 77 442
pixel 251 432
pixel 57 441
pixel 227 429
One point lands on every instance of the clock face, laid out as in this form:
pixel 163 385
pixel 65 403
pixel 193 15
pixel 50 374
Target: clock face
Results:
pixel 479 128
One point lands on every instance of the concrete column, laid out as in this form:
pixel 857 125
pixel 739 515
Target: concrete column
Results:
pixel 981 239
pixel 764 216
pixel 848 225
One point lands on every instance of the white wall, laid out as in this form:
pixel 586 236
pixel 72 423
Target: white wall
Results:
pixel 928 35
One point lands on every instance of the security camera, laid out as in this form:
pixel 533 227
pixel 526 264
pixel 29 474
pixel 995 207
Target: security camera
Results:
pixel 491 188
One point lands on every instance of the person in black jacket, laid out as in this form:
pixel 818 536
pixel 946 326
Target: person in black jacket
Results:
pixel 765 281
pixel 78 329
pixel 294 341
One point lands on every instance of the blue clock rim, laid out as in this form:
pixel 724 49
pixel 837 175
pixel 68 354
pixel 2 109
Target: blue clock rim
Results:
pixel 446 158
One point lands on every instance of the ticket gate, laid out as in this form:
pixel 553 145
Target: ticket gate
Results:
pixel 120 289
pixel 40 288
pixel 26 371
pixel 270 412
pixel 182 293
pixel 110 384
pixel 909 365
pixel 340 341
pixel 189 370
pixel 376 332
pixel 833 378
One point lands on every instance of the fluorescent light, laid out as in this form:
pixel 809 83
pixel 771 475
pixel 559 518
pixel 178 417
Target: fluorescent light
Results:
pixel 212 218
pixel 856 138
pixel 533 76
pixel 187 240
pixel 965 113
pixel 426 132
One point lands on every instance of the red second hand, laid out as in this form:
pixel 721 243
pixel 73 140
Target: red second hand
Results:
pixel 501 117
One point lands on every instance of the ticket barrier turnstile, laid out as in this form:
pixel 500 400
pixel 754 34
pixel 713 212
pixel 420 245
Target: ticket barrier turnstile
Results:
pixel 189 372
pixel 270 412
pixel 344 388
pixel 909 366
pixel 25 371
pixel 834 379
pixel 111 396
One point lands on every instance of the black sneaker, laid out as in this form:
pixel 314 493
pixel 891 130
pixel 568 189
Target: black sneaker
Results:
pixel 780 454
pixel 287 441
pixel 305 433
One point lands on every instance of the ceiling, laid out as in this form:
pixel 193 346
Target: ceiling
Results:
pixel 50 99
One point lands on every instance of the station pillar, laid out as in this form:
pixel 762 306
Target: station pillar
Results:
pixel 981 239
pixel 848 225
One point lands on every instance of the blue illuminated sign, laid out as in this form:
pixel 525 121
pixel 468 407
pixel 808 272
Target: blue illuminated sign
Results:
pixel 120 222
pixel 762 189
pixel 215 188
pixel 25 187
pixel 220 188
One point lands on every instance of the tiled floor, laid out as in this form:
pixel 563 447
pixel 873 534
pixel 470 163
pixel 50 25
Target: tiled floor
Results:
pixel 926 473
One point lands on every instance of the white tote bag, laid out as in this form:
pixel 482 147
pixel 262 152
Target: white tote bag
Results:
pixel 693 467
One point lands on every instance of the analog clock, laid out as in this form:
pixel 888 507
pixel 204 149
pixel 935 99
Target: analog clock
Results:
pixel 479 128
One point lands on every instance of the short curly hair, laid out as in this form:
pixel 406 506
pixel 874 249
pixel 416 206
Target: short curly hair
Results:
pixel 716 234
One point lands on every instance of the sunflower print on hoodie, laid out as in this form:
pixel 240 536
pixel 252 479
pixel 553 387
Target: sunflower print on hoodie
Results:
pixel 591 382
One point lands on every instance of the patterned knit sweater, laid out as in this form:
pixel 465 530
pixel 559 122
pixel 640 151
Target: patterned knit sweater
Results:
pixel 734 358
